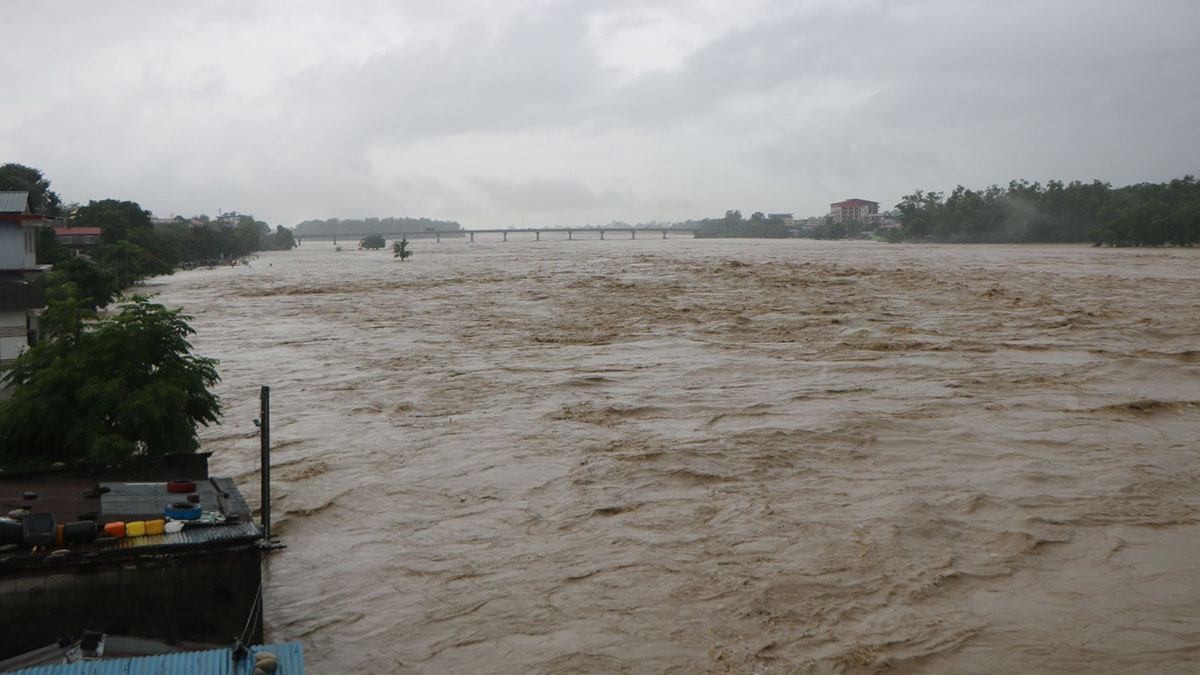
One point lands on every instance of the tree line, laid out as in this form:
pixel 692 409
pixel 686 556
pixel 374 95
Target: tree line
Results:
pixel 361 226
pixel 734 225
pixel 1145 214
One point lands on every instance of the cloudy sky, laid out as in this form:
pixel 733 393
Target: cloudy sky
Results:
pixel 572 112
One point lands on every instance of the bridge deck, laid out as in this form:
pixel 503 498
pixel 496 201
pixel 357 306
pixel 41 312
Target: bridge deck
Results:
pixel 535 231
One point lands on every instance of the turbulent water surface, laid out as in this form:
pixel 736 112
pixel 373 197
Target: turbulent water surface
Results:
pixel 719 456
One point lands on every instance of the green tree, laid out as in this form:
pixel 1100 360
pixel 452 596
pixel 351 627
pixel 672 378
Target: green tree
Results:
pixel 280 240
pixel 372 242
pixel 83 280
pixel 248 235
pixel 109 389
pixel 130 263
pixel 49 251
pixel 117 220
pixel 20 178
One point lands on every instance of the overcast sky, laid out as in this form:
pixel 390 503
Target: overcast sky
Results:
pixel 572 112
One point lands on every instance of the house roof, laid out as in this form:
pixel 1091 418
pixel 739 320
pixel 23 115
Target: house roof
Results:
pixel 289 656
pixel 59 231
pixel 225 520
pixel 855 202
pixel 14 202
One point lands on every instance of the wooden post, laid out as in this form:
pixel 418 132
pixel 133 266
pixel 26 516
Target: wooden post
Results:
pixel 439 237
pixel 602 235
pixel 472 236
pixel 569 234
pixel 537 235
pixel 264 433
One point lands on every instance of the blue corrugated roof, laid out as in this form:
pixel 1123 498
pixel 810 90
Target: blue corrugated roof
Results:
pixel 290 656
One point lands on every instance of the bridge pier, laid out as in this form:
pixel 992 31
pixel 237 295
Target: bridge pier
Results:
pixel 537 235
pixel 601 235
pixel 633 234
pixel 472 236
pixel 569 235
pixel 439 237
pixel 505 236
pixel 664 234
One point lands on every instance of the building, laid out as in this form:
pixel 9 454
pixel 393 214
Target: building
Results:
pixel 853 210
pixel 151 548
pixel 787 218
pixel 79 239
pixel 22 294
pixel 231 218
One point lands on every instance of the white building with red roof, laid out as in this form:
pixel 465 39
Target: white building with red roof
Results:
pixel 853 210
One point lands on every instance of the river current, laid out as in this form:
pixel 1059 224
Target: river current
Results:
pixel 746 456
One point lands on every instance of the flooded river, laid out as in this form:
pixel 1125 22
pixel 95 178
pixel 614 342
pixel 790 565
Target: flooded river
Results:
pixel 745 456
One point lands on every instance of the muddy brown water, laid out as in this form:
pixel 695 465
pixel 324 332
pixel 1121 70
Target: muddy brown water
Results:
pixel 719 456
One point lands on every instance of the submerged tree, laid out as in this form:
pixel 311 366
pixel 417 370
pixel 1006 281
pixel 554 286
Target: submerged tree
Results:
pixel 372 242
pixel 107 389
pixel 400 249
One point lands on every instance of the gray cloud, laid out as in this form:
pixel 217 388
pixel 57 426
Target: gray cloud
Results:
pixel 572 111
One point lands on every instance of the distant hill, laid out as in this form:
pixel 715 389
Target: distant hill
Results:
pixel 374 226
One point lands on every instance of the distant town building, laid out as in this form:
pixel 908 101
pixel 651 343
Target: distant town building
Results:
pixel 853 210
pixel 231 218
pixel 78 239
pixel 22 294
pixel 785 217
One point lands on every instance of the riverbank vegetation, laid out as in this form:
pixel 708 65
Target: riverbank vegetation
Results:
pixel 734 225
pixel 106 386
pixel 1146 214
pixel 134 246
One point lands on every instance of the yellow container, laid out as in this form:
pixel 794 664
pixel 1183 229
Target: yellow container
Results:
pixel 155 526
pixel 135 529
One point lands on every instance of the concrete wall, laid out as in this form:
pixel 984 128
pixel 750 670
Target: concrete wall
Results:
pixel 14 334
pixel 199 598
pixel 17 246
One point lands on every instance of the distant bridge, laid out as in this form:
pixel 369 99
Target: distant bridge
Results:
pixel 536 231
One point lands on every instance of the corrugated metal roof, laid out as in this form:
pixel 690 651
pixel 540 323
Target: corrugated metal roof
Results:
pixel 290 656
pixel 216 529
pixel 150 499
pixel 197 535
pixel 14 202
